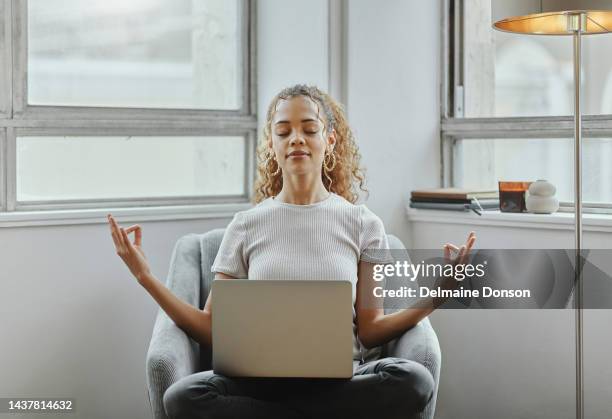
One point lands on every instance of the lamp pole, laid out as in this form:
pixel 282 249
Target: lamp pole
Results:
pixel 576 23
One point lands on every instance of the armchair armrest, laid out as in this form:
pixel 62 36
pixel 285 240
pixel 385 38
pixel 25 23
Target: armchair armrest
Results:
pixel 172 353
pixel 420 344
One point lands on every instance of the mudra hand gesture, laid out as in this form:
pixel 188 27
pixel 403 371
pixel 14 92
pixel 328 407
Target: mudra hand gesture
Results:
pixel 463 252
pixel 462 256
pixel 131 253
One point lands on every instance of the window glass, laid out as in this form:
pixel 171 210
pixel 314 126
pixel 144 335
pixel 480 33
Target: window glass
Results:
pixel 136 53
pixel 484 162
pixel 511 75
pixel 63 168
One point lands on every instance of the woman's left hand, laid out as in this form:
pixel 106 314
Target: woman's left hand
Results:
pixel 463 252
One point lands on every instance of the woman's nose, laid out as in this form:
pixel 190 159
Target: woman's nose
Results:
pixel 297 139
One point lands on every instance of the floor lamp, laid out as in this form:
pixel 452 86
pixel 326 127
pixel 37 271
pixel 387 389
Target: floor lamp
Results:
pixel 577 18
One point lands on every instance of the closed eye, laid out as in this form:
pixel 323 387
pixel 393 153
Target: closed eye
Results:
pixel 284 134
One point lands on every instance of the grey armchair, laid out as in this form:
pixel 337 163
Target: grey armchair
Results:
pixel 173 355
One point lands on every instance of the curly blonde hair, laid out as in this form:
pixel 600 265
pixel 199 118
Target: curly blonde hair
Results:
pixel 347 172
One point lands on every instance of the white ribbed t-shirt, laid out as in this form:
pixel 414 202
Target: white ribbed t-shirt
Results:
pixel 320 241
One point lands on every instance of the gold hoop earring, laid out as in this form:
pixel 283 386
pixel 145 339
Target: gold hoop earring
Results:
pixel 332 157
pixel 271 158
pixel 327 169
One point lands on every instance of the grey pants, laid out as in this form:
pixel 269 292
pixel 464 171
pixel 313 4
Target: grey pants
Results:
pixel 384 388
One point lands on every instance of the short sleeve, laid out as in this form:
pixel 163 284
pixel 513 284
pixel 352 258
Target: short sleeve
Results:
pixel 373 242
pixel 230 258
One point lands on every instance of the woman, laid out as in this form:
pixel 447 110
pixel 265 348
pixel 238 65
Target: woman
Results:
pixel 305 226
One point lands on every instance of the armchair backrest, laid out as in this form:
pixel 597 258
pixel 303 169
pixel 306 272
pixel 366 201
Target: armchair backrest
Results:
pixel 209 246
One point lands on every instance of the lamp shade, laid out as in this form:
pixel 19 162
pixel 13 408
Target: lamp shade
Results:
pixel 560 17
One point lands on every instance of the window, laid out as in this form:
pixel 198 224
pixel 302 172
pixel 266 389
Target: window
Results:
pixel 508 99
pixel 149 54
pixel 159 167
pixel 108 103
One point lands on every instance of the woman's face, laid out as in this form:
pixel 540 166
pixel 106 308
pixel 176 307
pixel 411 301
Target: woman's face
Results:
pixel 298 136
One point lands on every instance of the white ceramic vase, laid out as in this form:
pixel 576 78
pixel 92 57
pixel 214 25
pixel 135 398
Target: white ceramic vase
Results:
pixel 541 197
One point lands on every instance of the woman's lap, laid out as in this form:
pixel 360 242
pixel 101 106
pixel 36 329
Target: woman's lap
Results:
pixel 384 388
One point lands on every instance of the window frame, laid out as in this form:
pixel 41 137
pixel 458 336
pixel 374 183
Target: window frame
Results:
pixel 5 60
pixel 19 118
pixel 454 126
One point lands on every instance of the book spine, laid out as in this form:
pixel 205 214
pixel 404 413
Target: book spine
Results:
pixel 439 205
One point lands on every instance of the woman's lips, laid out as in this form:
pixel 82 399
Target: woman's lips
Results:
pixel 298 156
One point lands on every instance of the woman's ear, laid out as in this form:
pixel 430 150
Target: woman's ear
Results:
pixel 331 138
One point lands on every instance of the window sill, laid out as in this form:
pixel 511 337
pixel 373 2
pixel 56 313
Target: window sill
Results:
pixel 556 221
pixel 138 214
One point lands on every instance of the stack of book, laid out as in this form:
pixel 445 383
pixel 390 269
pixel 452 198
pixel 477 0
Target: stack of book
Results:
pixel 455 199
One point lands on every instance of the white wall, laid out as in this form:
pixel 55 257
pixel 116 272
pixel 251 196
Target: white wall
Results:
pixel 393 100
pixel 292 47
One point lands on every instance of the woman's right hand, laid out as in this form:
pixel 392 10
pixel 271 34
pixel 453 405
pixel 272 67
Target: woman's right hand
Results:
pixel 131 253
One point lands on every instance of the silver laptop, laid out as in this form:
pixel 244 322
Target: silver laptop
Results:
pixel 278 328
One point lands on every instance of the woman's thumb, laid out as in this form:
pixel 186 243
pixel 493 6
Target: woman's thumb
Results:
pixel 138 233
